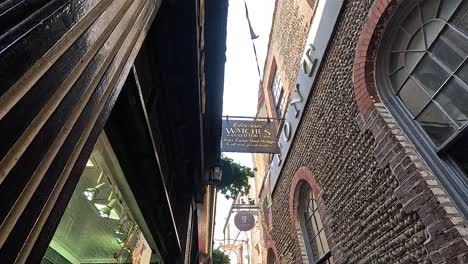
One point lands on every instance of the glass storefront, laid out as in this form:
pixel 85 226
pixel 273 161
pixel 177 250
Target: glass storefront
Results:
pixel 98 225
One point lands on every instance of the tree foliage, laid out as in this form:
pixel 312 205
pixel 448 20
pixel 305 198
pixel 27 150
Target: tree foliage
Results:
pixel 220 258
pixel 235 179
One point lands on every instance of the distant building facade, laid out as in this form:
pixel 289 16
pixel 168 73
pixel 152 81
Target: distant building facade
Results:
pixel 373 96
pixel 246 246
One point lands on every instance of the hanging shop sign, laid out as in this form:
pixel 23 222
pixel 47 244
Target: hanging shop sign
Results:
pixel 252 136
pixel 320 32
pixel 244 220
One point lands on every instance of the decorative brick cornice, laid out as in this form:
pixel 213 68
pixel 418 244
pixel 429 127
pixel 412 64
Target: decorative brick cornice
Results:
pixel 304 176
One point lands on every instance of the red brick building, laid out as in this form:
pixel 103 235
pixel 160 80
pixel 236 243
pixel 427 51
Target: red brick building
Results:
pixel 374 99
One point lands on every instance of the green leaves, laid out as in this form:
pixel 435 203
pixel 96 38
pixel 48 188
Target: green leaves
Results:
pixel 220 258
pixel 235 179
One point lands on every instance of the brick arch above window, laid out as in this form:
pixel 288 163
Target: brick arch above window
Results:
pixel 302 174
pixel 363 71
pixel 302 177
pixel 272 253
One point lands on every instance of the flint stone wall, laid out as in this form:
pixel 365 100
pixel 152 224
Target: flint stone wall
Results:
pixel 375 188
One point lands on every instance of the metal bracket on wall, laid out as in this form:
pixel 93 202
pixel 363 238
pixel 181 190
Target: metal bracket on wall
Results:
pixel 245 206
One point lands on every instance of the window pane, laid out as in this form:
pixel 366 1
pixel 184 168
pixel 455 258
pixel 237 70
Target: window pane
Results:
pixel 417 41
pixel 413 97
pixel 398 78
pixel 310 208
pixel 454 99
pixel 278 91
pixel 458 153
pixel 313 248
pixel 430 74
pixel 324 242
pixel 401 40
pixel 451 48
pixel 447 8
pixel 436 124
pixel 412 58
pixel 319 220
pixel 413 22
pixel 279 97
pixel 276 96
pixel 397 61
pixel 429 9
pixel 314 205
pixel 313 222
pixel 432 30
pixel 460 20
pixel 282 104
pixel 310 226
pixel 463 73
pixel 275 87
pixel 319 248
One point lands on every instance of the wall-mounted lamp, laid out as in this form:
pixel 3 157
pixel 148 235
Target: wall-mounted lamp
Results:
pixel 106 211
pixel 91 193
pixel 215 175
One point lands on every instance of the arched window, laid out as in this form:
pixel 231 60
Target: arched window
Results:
pixel 312 227
pixel 271 258
pixel 422 73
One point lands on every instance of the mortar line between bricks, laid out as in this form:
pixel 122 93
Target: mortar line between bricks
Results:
pixel 386 241
pixel 402 243
pixel 369 217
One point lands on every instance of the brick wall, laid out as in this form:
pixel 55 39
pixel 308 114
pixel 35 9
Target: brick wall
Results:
pixel 382 203
pixel 291 21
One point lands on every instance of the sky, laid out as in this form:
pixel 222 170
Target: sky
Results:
pixel 241 79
